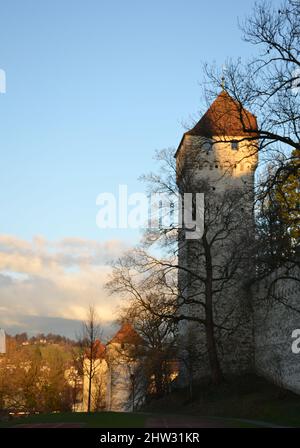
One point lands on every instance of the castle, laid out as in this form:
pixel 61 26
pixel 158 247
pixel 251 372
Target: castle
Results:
pixel 252 329
pixel 225 311
pixel 116 378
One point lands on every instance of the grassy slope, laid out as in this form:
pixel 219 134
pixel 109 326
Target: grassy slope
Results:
pixel 247 397
pixel 104 420
pixel 93 420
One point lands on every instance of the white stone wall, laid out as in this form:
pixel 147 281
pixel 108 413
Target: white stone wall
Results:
pixel 224 170
pixel 98 386
pixel 275 318
pixel 126 385
pixel 113 388
pixel 264 340
pixel 222 166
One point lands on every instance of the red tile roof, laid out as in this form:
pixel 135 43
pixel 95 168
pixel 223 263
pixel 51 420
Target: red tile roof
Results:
pixel 98 350
pixel 225 117
pixel 127 335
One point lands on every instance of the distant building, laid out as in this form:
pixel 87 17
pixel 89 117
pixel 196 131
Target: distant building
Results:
pixel 117 383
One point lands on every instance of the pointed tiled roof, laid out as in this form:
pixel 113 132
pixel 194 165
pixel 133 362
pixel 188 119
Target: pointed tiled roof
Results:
pixel 98 350
pixel 225 117
pixel 127 335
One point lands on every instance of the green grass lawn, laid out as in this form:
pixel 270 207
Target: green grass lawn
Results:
pixel 92 420
pixel 103 420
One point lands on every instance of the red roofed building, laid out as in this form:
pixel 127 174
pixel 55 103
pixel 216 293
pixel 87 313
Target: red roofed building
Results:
pixel 223 144
pixel 114 369
pixel 217 159
pixel 127 335
pixel 226 116
pixel 98 350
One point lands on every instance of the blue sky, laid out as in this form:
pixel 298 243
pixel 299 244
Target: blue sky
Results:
pixel 93 88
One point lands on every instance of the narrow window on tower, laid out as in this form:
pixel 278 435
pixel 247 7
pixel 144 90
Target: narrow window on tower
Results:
pixel 194 208
pixel 172 206
pixel 235 145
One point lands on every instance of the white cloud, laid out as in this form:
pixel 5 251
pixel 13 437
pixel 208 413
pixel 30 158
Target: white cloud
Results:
pixel 55 279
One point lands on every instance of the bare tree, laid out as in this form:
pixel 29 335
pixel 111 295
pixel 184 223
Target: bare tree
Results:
pixel 217 265
pixel 91 332
pixel 214 269
pixel 159 340
pixel 269 85
pixel 190 356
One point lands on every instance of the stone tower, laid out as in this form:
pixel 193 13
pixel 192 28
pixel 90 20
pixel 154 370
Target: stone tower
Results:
pixel 218 157
pixel 118 383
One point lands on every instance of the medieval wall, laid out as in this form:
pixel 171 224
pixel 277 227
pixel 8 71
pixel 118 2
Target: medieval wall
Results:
pixel 275 302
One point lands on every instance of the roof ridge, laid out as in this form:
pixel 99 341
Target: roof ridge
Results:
pixel 226 116
pixel 126 334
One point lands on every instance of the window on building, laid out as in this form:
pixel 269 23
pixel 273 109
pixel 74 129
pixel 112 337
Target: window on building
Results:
pixel 235 145
pixel 194 214
pixel 207 146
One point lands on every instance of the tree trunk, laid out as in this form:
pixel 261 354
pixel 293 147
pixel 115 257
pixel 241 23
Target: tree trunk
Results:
pixel 191 381
pixel 216 372
pixel 90 387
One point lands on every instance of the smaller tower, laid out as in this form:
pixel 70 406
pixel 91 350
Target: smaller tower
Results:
pixel 97 374
pixel 125 388
pixel 117 382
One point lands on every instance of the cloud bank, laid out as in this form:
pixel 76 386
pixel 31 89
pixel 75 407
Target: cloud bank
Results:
pixel 42 279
